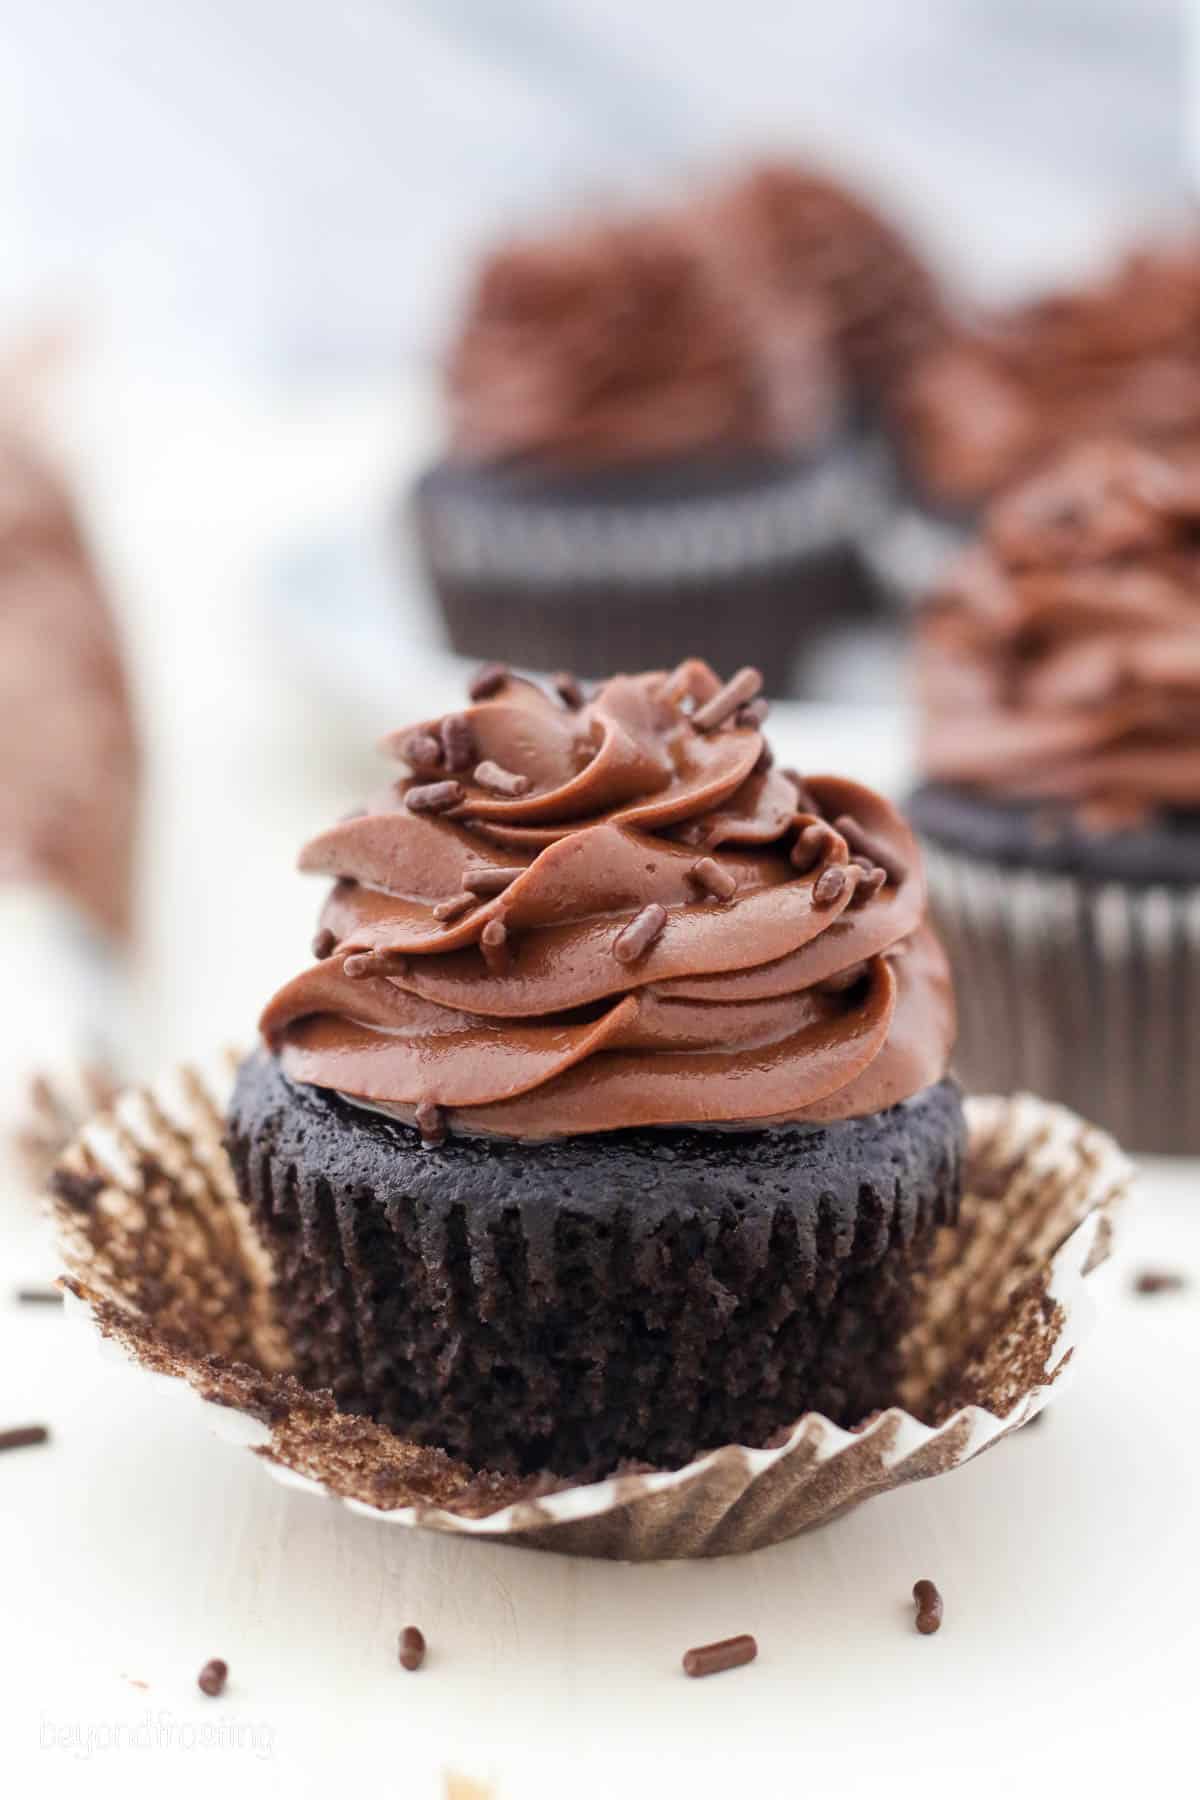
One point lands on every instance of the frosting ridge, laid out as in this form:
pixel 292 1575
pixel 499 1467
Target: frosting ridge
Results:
pixel 653 925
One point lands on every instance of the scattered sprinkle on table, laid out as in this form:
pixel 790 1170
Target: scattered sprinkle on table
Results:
pixel 18 1437
pixel 212 1677
pixel 713 1659
pixel 1159 1281
pixel 929 1608
pixel 412 1648
pixel 39 1296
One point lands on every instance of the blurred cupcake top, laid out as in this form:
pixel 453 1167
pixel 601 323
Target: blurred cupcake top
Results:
pixel 574 915
pixel 1122 357
pixel 68 756
pixel 621 342
pixel 1061 660
pixel 798 238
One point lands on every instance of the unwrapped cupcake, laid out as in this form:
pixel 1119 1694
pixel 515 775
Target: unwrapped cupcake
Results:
pixel 611 1123
pixel 633 459
pixel 1060 691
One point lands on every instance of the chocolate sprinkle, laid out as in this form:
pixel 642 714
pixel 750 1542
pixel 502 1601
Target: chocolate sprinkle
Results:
pixel 324 944
pixel 431 1123
pixel 39 1296
pixel 640 933
pixel 569 691
pixel 212 1677
pixel 496 780
pixel 422 752
pixel 454 907
pixel 742 687
pixel 489 680
pixel 489 882
pixel 865 843
pixel 412 1648
pixel 713 1659
pixel 458 741
pixel 366 963
pixel 493 941
pixel 830 885
pixel 715 880
pixel 869 883
pixel 929 1608
pixel 813 843
pixel 19 1437
pixel 435 797
pixel 1159 1281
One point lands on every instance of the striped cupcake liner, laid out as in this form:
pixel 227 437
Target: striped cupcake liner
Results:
pixel 474 538
pixel 1087 991
pixel 162 1262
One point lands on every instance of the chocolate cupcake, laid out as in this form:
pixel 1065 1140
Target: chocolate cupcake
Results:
pixel 1060 687
pixel 632 459
pixel 612 1122
pixel 990 404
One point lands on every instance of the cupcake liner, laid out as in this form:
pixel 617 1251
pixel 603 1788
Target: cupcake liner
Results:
pixel 473 537
pixel 744 572
pixel 161 1257
pixel 1088 991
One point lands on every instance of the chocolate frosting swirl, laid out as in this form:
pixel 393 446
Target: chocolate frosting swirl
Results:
pixel 1121 357
pixel 795 234
pixel 651 926
pixel 1062 658
pixel 619 343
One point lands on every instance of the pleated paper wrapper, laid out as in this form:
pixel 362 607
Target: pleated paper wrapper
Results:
pixel 161 1259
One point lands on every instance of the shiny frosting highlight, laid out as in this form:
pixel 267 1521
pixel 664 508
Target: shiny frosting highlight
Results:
pixel 1061 661
pixel 652 926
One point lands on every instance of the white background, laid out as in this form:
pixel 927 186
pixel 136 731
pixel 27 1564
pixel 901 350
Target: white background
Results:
pixel 296 184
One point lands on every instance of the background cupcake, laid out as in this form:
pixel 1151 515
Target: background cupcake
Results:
pixel 68 757
pixel 612 1121
pixel 795 235
pixel 632 459
pixel 1060 688
pixel 989 404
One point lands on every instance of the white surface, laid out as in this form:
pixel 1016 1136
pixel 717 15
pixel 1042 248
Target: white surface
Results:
pixel 135 1547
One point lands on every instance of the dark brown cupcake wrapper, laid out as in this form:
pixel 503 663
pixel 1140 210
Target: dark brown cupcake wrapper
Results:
pixel 475 539
pixel 159 1251
pixel 1087 991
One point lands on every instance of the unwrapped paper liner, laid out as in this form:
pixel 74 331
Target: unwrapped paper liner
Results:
pixel 161 1255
